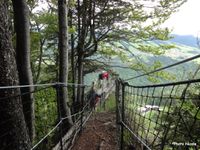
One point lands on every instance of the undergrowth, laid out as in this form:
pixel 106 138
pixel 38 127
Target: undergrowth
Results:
pixel 108 105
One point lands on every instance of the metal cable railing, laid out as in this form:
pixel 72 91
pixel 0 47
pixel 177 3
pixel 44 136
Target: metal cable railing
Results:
pixel 48 123
pixel 159 117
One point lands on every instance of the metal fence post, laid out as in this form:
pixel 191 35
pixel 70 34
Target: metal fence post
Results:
pixel 117 100
pixel 82 105
pixel 122 118
pixel 58 89
pixel 104 101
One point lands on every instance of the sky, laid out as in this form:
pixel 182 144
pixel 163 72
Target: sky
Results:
pixel 186 21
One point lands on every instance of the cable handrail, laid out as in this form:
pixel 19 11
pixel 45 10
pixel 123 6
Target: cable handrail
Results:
pixel 25 93
pixel 39 85
pixel 154 115
pixel 54 128
pixel 140 139
pixel 57 125
pixel 83 114
pixel 166 67
pixel 165 84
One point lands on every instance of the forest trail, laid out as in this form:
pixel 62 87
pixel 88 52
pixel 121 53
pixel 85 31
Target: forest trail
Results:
pixel 99 133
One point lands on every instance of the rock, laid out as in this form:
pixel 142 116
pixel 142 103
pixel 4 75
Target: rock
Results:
pixel 107 123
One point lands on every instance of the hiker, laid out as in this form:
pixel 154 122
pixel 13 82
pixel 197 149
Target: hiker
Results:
pixel 94 100
pixel 100 80
pixel 100 76
pixel 105 78
pixel 105 75
pixel 94 97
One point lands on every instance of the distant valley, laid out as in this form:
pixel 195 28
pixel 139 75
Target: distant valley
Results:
pixel 185 47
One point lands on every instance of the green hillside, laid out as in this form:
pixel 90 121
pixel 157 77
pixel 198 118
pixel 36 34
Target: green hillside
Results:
pixel 169 57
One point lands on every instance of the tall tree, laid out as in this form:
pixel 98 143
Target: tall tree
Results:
pixel 63 56
pixel 12 123
pixel 21 21
pixel 103 24
pixel 73 69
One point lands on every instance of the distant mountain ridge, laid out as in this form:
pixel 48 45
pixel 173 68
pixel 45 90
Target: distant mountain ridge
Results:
pixel 188 40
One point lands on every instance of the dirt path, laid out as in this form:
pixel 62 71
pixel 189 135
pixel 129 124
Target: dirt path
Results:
pixel 99 133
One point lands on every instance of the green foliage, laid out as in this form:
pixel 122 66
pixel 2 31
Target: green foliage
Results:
pixel 176 121
pixel 167 46
pixel 155 77
pixel 156 50
pixel 183 127
pixel 72 30
pixel 161 34
pixel 47 22
pixel 110 104
pixel 140 31
pixel 113 20
pixel 45 115
pixel 71 3
pixel 189 107
pixel 124 50
pixel 107 51
pixel 44 32
pixel 113 50
pixel 184 118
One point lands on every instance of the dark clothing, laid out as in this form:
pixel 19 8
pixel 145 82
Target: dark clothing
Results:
pixel 100 77
pixel 94 99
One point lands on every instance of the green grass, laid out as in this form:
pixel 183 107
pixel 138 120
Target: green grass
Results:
pixel 109 105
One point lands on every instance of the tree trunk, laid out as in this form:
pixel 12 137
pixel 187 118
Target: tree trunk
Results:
pixel 63 56
pixel 73 71
pixel 13 131
pixel 21 19
pixel 80 47
pixel 80 81
pixel 42 41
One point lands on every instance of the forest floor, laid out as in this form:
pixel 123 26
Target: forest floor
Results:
pixel 99 133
